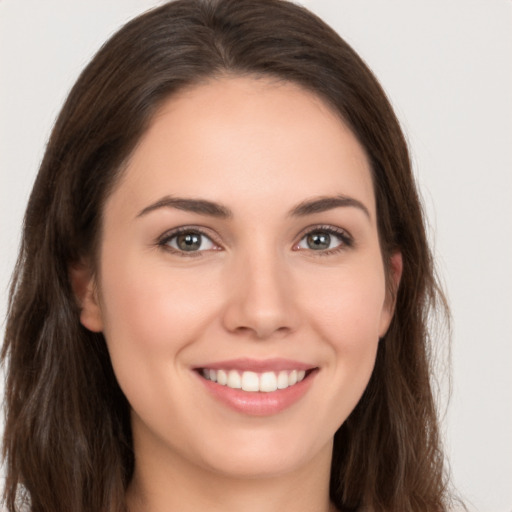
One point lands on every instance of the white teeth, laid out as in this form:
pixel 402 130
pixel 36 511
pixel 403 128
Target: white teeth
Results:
pixel 222 377
pixel 282 380
pixel 251 381
pixel 234 380
pixel 268 382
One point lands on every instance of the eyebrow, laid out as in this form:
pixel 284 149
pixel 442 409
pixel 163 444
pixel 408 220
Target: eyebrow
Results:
pixel 210 208
pixel 200 206
pixel 323 204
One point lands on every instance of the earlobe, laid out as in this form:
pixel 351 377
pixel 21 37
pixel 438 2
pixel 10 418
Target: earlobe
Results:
pixel 394 277
pixel 86 293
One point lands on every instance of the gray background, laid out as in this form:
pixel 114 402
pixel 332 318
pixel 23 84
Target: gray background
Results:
pixel 447 67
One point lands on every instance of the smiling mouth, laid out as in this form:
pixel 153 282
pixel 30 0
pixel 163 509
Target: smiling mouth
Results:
pixel 253 382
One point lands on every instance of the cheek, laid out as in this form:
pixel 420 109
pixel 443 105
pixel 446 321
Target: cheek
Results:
pixel 151 308
pixel 340 310
pixel 346 315
pixel 347 307
pixel 151 315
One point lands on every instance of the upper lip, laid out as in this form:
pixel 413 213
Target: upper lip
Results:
pixel 258 365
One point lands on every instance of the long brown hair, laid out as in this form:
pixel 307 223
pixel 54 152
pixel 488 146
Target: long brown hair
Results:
pixel 67 441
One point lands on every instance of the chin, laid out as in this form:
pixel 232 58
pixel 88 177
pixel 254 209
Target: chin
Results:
pixel 264 453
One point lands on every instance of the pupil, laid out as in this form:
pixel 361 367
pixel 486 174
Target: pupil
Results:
pixel 189 241
pixel 319 241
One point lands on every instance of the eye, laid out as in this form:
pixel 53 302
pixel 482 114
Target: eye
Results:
pixel 324 239
pixel 188 241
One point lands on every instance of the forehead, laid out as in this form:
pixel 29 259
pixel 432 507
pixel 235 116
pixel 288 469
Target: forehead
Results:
pixel 247 139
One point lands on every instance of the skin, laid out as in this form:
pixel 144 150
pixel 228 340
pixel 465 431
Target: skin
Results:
pixel 258 290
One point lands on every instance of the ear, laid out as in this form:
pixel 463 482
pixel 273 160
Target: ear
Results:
pixel 393 282
pixel 86 293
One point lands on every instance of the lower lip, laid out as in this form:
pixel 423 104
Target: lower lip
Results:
pixel 259 403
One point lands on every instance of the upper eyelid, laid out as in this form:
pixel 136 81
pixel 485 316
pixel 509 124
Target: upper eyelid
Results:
pixel 325 227
pixel 185 229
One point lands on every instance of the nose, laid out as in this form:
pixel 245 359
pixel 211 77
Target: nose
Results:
pixel 261 302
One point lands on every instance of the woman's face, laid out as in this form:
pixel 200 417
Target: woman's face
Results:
pixel 241 246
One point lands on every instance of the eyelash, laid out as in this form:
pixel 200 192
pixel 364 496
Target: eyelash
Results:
pixel 164 240
pixel 347 242
pixel 345 238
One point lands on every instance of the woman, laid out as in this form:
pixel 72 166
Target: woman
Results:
pixel 224 281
